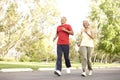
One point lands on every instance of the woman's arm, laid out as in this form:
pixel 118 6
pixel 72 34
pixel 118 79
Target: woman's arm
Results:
pixel 90 35
pixel 79 39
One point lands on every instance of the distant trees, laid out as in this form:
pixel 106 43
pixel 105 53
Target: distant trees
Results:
pixel 106 15
pixel 26 26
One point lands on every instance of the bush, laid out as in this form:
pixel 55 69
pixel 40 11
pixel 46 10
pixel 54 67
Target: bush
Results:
pixel 1 59
pixel 24 58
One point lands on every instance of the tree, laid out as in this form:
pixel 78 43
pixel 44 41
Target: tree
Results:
pixel 106 14
pixel 8 22
pixel 26 24
pixel 44 16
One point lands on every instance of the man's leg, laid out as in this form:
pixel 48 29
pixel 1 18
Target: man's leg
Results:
pixel 59 58
pixel 66 55
pixel 59 61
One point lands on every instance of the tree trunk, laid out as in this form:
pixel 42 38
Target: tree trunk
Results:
pixel 110 58
pixel 102 58
pixel 106 59
pixel 95 58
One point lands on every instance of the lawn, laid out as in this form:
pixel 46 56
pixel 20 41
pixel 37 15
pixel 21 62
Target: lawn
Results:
pixel 33 65
pixel 36 65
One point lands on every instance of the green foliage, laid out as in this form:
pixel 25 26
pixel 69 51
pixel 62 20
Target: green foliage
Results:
pixel 1 59
pixel 27 31
pixel 24 58
pixel 1 28
pixel 74 55
pixel 106 14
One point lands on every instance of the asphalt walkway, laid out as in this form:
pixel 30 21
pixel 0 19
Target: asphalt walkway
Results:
pixel 98 74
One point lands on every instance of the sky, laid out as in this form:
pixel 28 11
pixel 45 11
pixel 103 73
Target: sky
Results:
pixel 75 11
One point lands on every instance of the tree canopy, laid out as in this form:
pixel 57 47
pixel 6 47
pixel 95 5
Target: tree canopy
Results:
pixel 106 14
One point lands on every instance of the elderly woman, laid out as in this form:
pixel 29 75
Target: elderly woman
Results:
pixel 86 45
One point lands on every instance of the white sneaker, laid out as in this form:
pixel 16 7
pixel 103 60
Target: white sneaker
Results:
pixel 90 72
pixel 58 73
pixel 83 74
pixel 68 70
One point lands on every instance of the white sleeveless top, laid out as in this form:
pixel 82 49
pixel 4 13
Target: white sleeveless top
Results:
pixel 86 40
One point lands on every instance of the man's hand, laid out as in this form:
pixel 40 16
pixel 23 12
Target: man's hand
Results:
pixel 70 32
pixel 54 39
pixel 64 29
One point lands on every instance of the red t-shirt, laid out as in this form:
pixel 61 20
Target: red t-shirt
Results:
pixel 63 37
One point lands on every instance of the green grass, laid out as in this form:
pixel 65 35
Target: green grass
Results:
pixel 106 65
pixel 33 65
pixel 36 65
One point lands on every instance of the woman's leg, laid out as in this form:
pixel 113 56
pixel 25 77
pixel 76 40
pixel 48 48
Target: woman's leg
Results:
pixel 83 51
pixel 89 55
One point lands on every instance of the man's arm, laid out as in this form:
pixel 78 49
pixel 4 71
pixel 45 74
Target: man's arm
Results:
pixel 55 36
pixel 70 32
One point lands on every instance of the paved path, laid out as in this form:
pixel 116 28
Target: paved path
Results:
pixel 98 74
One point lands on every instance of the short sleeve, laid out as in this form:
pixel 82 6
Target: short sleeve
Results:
pixel 69 27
